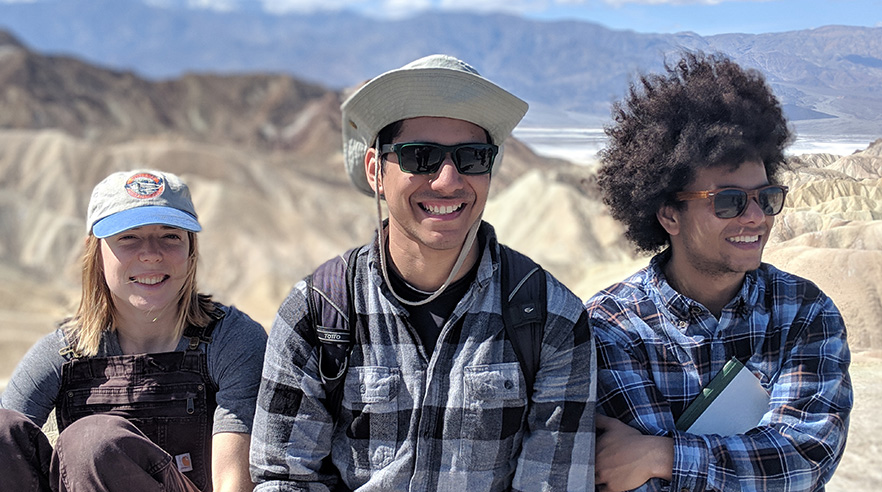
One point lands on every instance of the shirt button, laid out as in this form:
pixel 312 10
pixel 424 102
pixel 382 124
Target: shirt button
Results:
pixel 682 324
pixel 508 384
pixel 695 310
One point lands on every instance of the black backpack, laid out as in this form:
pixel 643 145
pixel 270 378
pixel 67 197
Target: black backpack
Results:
pixel 330 306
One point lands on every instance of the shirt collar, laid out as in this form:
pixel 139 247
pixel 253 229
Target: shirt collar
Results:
pixel 684 308
pixel 488 259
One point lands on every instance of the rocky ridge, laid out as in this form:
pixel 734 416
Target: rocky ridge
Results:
pixel 262 156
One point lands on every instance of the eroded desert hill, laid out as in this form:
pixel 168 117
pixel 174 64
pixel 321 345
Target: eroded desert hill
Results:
pixel 261 151
pixel 262 156
pixel 269 221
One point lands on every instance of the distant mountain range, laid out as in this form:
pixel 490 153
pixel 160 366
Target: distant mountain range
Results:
pixel 827 77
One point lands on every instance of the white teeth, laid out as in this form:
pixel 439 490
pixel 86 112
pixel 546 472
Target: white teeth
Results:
pixel 443 210
pixel 744 239
pixel 151 280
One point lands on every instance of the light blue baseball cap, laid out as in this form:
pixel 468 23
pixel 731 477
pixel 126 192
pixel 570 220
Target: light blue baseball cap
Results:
pixel 129 199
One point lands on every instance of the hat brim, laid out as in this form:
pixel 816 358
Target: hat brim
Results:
pixel 142 216
pixel 438 92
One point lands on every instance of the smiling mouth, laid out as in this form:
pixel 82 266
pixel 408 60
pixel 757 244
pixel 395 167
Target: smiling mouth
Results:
pixel 441 209
pixel 744 239
pixel 148 280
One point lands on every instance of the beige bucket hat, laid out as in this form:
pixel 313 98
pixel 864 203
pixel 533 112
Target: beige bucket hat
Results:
pixel 436 85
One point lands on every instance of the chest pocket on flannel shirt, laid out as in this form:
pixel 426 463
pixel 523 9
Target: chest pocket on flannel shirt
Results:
pixel 371 393
pixel 494 404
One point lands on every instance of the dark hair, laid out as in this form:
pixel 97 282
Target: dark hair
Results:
pixel 389 132
pixel 706 111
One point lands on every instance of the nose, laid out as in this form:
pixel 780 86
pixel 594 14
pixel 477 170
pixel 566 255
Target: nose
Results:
pixel 753 212
pixel 151 250
pixel 448 176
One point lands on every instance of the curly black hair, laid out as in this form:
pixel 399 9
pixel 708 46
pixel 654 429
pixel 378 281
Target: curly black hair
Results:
pixel 705 111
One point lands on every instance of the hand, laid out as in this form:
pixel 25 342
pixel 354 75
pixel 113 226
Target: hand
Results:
pixel 626 459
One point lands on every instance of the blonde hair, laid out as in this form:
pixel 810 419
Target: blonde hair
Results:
pixel 97 314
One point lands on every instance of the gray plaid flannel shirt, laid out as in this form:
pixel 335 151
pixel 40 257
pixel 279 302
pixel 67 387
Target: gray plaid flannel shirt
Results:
pixel 457 419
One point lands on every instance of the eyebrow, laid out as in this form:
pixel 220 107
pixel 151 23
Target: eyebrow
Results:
pixel 161 226
pixel 723 187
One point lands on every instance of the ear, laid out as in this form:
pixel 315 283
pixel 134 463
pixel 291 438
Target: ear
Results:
pixel 371 163
pixel 669 218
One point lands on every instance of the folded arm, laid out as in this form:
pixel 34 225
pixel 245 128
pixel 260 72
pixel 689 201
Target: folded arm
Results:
pixel 797 444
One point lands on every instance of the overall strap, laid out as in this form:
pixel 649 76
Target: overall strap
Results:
pixel 202 334
pixel 524 309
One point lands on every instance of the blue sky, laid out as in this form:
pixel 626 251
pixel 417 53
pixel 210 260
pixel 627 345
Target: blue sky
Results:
pixel 704 17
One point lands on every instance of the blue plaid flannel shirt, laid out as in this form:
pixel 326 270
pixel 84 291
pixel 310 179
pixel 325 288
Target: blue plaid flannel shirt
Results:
pixel 657 349
pixel 455 420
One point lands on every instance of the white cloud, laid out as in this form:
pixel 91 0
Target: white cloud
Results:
pixel 483 5
pixel 283 6
pixel 511 6
pixel 530 6
pixel 218 5
pixel 619 3
pixel 376 8
pixel 400 8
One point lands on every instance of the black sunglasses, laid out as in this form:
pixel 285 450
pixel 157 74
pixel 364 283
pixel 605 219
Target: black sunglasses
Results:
pixel 427 157
pixel 732 202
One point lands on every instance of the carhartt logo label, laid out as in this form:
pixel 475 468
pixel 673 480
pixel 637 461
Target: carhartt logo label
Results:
pixel 184 463
pixel 145 185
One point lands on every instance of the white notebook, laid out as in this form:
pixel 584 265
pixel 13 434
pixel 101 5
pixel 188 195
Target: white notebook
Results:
pixel 732 403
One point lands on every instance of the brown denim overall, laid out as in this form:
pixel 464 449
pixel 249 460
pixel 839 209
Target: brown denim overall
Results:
pixel 168 396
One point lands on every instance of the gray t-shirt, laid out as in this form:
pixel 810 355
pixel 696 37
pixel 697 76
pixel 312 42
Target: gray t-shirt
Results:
pixel 235 361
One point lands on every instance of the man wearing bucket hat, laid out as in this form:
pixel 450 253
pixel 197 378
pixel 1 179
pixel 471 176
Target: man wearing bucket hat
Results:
pixel 153 384
pixel 434 396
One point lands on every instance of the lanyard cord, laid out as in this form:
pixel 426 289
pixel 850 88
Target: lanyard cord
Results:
pixel 381 232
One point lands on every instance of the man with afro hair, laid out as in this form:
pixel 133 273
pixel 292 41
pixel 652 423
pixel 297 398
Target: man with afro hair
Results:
pixel 690 170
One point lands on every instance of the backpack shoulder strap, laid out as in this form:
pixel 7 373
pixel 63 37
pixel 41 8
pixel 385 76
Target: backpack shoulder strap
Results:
pixel 332 314
pixel 524 309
